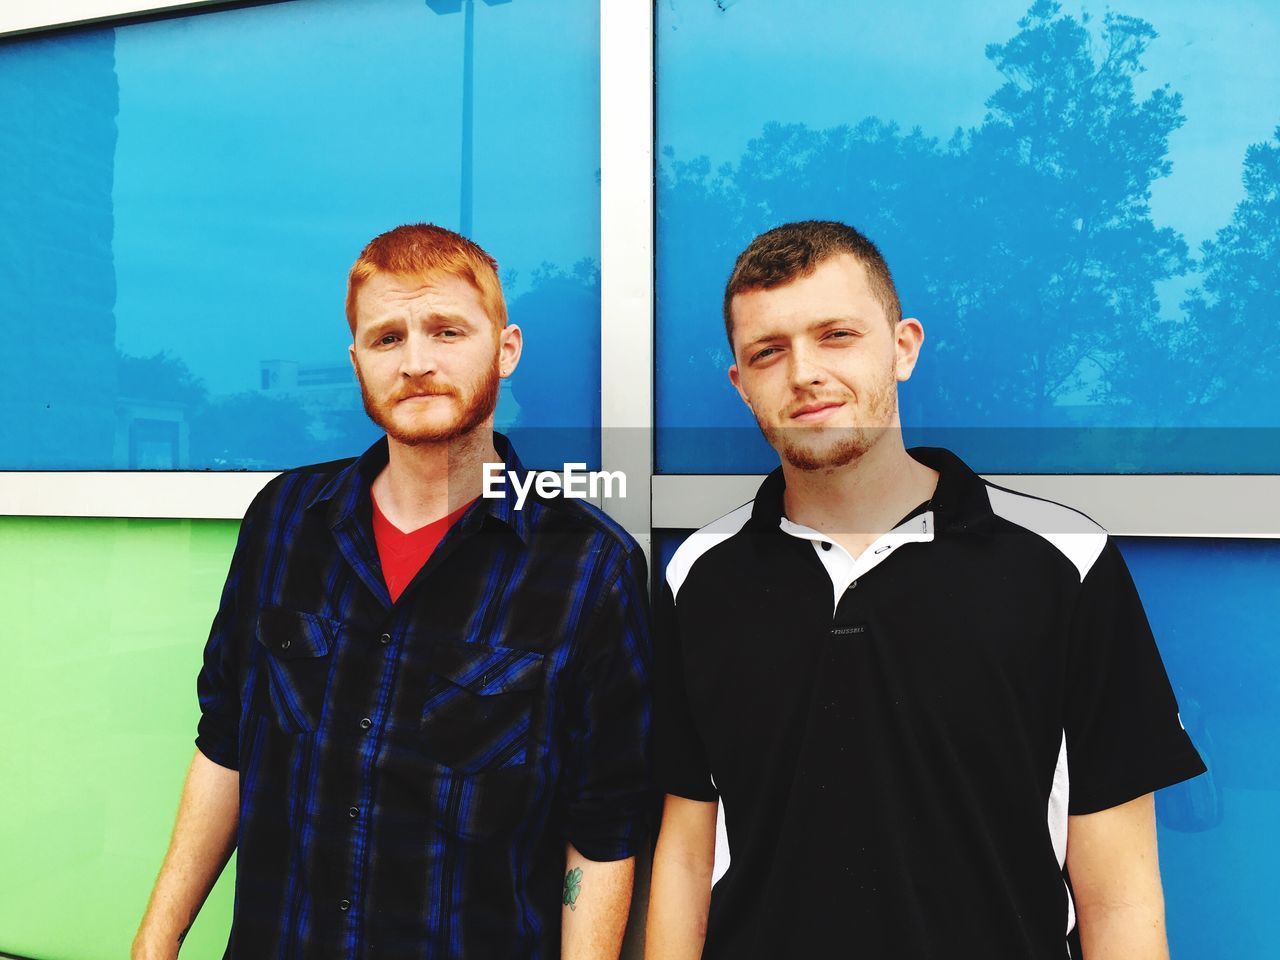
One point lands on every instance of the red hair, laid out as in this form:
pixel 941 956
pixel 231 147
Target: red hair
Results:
pixel 423 250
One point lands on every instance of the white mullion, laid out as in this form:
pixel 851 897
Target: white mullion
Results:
pixel 54 14
pixel 1222 506
pixel 626 256
pixel 1175 505
pixel 205 495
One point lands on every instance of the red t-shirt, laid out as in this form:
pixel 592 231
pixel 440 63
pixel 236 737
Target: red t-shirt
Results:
pixel 403 554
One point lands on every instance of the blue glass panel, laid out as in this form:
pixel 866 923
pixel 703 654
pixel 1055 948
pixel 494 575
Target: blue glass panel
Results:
pixel 182 198
pixel 1212 608
pixel 1080 209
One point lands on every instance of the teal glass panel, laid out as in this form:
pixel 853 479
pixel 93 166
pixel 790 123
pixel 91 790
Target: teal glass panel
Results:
pixel 182 198
pixel 1077 201
pixel 1211 604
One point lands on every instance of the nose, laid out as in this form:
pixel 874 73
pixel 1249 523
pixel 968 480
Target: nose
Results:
pixel 804 369
pixel 418 358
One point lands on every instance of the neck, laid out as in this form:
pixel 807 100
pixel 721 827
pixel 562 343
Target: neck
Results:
pixel 862 499
pixel 427 481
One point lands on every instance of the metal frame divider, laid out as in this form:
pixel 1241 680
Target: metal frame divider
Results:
pixel 626 257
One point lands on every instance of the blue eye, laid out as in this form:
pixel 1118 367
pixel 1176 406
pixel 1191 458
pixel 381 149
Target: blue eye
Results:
pixel 763 353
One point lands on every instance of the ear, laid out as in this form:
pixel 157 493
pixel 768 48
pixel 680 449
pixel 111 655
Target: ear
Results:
pixel 510 346
pixel 351 353
pixel 736 379
pixel 909 336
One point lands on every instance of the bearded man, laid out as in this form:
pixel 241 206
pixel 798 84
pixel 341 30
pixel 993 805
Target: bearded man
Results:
pixel 930 709
pixel 424 712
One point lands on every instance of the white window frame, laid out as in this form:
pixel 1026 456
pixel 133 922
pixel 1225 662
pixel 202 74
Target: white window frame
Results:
pixel 54 14
pixel 1200 505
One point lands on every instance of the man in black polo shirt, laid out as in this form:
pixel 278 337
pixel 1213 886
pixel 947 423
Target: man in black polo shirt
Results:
pixel 931 708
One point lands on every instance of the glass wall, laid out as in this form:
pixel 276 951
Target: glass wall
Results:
pixel 1080 207
pixel 182 199
pixel 1211 606
pixel 1077 202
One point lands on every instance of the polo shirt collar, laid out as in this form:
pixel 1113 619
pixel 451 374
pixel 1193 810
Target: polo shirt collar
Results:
pixel 348 490
pixel 960 501
pixel 766 510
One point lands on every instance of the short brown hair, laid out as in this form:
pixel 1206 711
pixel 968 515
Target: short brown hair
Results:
pixel 425 250
pixel 795 250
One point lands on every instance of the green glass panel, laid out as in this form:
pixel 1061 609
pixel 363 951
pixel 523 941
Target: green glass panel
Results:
pixel 103 622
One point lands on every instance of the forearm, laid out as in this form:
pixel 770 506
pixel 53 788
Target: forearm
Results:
pixel 1115 873
pixel 597 899
pixel 203 837
pixel 679 900
pixel 1123 931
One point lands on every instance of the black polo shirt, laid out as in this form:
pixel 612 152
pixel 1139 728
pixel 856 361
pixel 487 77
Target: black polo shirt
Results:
pixel 897 740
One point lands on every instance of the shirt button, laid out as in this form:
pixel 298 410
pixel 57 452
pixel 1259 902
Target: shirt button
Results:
pixel 384 639
pixel 366 723
pixel 826 545
pixel 344 905
pixel 353 812
pixel 284 644
pixel 852 585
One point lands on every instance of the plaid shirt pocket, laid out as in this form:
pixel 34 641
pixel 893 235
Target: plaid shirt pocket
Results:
pixel 296 647
pixel 479 706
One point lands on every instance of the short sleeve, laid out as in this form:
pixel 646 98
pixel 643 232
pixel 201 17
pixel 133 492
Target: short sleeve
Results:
pixel 606 788
pixel 1124 737
pixel 218 683
pixel 680 759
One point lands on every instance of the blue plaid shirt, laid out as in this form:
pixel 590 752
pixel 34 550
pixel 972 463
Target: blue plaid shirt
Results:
pixel 410 773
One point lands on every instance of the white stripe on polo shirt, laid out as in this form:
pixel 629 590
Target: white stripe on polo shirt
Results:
pixel 1059 797
pixel 713 534
pixel 1081 541
pixel 1077 537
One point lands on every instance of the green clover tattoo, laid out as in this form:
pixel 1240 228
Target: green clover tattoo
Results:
pixel 572 887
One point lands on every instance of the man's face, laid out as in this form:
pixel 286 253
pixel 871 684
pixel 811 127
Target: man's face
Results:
pixel 428 357
pixel 818 363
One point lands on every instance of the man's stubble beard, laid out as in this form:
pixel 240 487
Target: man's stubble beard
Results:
pixel 483 402
pixel 798 445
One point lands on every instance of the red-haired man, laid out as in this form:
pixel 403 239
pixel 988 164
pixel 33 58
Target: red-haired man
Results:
pixel 424 711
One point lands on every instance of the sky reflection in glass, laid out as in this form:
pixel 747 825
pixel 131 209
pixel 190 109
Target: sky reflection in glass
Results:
pixel 1042 181
pixel 184 197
